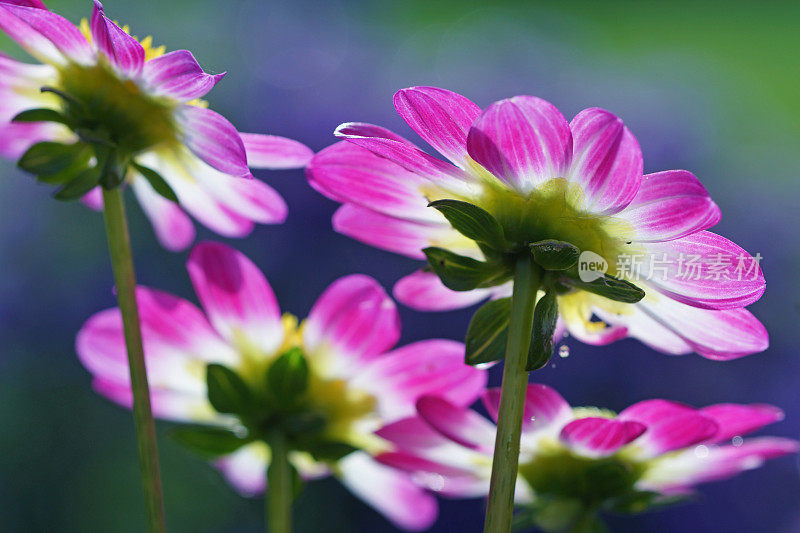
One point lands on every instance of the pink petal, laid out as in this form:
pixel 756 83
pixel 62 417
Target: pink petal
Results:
pixel 354 316
pixel 720 335
pixel 600 437
pixel 412 434
pixel 165 403
pixel 16 137
pixel 670 426
pixel 174 229
pixel 348 173
pixel 726 461
pixel 441 117
pixel 45 35
pixel 271 151
pixel 94 199
pixel 736 420
pixel 245 469
pixel 606 160
pixel 640 325
pixel 412 463
pixel 408 156
pixel 703 270
pixel 213 139
pixel 178 75
pixel 461 425
pixel 670 205
pixel 524 141
pixel 236 296
pixel 424 291
pixel 388 233
pixel 124 52
pixel 389 491
pixel 430 367
pixel 544 407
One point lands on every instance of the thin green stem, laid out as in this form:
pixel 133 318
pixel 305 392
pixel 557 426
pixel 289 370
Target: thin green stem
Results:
pixel 500 508
pixel 119 245
pixel 279 486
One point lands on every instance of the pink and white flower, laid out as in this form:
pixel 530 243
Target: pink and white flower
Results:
pixel 542 177
pixel 358 378
pixel 147 101
pixel 654 446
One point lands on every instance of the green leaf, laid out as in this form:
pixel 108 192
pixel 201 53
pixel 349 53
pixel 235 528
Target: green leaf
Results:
pixel 42 114
pixel 545 316
pixel 227 392
pixel 156 181
pixel 329 451
pixel 472 222
pixel 460 273
pixel 81 184
pixel 47 158
pixel 304 422
pixel 209 442
pixel 487 333
pixel 554 255
pixel 610 287
pixel 287 377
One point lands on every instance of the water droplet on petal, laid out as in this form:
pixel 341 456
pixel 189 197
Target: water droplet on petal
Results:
pixel 737 441
pixel 701 451
pixel 553 365
pixel 563 351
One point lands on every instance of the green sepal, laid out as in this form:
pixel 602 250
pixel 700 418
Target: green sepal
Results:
pixel 616 289
pixel 64 96
pixel 472 222
pixel 227 392
pixel 304 423
pixel 329 451
pixel 636 502
pixel 550 514
pixel 156 181
pixel 115 167
pixel 545 317
pixel 487 334
pixel 77 187
pixel 209 442
pixel 41 114
pixel 461 273
pixel 551 254
pixel 287 377
pixel 48 158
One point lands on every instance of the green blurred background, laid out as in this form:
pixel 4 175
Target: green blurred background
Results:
pixel 707 86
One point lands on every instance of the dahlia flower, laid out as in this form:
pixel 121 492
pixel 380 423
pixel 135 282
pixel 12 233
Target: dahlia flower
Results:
pixel 519 175
pixel 354 381
pixel 575 460
pixel 104 108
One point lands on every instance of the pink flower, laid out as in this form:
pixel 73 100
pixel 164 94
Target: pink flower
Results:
pixel 356 378
pixel 107 84
pixel 654 446
pixel 543 178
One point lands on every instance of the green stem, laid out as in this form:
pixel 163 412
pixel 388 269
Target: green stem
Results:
pixel 279 486
pixel 500 508
pixel 119 245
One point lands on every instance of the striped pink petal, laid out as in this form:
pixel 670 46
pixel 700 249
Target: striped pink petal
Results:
pixel 424 291
pixel 544 407
pixel 213 139
pixel 397 235
pixel 273 152
pixel 600 437
pixel 441 117
pixel 606 160
pixel 670 205
pixel 355 317
pixel 348 173
pixel 174 229
pixel 703 270
pixel 524 141
pixel 429 367
pixel 123 51
pixel 670 426
pixel 235 295
pixel 736 420
pixel 721 335
pixel 461 425
pixel 178 75
pixel 389 491
pixel 45 35
pixel 166 404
